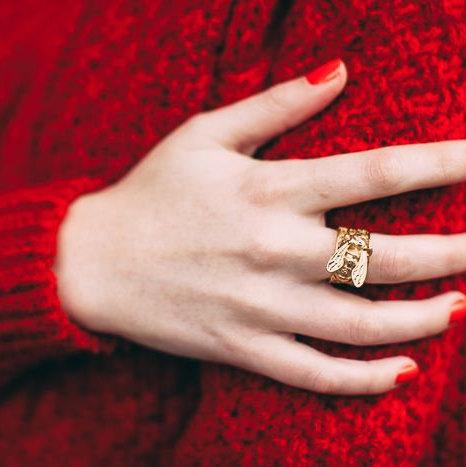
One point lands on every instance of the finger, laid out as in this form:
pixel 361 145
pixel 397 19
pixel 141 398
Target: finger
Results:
pixel 301 366
pixel 299 245
pixel 405 258
pixel 249 123
pixel 335 315
pixel 401 258
pixel 329 182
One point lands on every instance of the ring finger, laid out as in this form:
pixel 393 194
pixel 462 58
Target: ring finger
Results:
pixel 304 247
pixel 406 258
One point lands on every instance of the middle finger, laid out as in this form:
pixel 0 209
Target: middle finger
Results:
pixel 317 185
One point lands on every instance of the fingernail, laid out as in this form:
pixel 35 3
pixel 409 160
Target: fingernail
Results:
pixel 458 311
pixel 408 372
pixel 326 72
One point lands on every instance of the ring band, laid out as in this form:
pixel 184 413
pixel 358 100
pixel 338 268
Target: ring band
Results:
pixel 350 260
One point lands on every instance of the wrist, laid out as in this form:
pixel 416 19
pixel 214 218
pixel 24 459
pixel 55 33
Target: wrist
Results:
pixel 78 263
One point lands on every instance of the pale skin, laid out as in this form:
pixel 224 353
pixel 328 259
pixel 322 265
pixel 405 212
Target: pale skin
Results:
pixel 205 252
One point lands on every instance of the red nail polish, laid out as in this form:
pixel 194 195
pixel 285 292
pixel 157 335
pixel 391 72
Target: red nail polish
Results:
pixel 324 73
pixel 408 372
pixel 458 311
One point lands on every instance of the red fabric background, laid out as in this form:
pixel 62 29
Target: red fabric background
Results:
pixel 87 88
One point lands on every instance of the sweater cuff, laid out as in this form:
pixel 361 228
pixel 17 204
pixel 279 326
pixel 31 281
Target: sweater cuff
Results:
pixel 33 325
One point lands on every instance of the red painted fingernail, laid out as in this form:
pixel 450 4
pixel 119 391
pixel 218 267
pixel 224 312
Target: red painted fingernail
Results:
pixel 458 311
pixel 324 73
pixel 408 372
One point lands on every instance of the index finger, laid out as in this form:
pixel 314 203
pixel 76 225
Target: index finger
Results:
pixel 330 182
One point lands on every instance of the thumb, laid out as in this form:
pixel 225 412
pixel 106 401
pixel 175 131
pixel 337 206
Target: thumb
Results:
pixel 249 123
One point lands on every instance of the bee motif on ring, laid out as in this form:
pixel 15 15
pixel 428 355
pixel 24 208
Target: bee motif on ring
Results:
pixel 350 261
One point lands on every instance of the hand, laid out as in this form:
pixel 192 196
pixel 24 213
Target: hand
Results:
pixel 204 252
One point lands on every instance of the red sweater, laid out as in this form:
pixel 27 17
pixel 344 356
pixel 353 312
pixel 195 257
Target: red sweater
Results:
pixel 87 88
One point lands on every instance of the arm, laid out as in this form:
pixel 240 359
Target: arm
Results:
pixel 33 325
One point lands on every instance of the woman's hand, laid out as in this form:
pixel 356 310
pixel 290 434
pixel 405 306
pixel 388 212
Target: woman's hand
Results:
pixel 203 252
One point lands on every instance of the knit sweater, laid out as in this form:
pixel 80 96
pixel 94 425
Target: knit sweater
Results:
pixel 87 88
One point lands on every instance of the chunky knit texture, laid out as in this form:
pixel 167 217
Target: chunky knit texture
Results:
pixel 87 88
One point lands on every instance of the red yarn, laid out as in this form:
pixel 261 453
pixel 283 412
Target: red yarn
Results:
pixel 87 88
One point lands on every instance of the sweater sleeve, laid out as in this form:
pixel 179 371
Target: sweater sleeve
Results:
pixel 33 325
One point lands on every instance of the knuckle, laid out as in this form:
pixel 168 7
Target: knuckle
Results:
pixel 383 171
pixel 451 259
pixel 275 99
pixel 454 258
pixel 232 345
pixel 395 265
pixel 448 162
pixel 324 381
pixel 259 186
pixel 253 302
pixel 247 351
pixel 369 380
pixel 249 301
pixel 365 329
pixel 265 248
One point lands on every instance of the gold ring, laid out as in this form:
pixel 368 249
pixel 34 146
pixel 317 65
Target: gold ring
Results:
pixel 350 261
